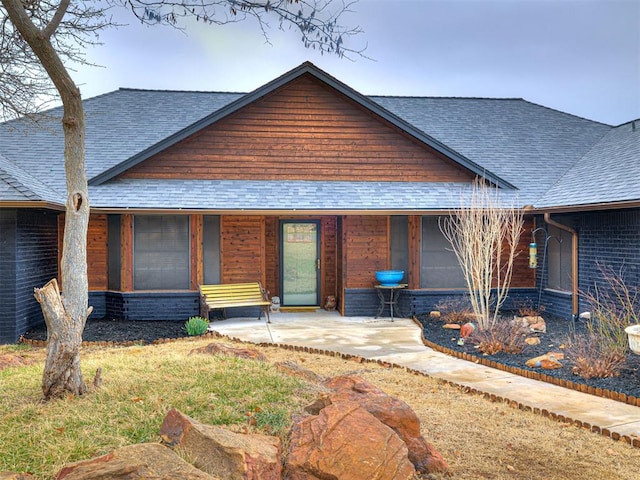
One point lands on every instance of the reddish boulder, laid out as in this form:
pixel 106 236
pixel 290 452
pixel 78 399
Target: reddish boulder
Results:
pixel 135 462
pixel 394 413
pixel 221 452
pixel 345 442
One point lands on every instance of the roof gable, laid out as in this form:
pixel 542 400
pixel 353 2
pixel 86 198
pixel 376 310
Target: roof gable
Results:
pixel 303 130
pixel 306 69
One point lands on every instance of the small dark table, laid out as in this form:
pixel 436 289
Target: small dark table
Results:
pixel 394 293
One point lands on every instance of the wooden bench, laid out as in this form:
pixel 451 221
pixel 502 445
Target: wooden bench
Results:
pixel 230 295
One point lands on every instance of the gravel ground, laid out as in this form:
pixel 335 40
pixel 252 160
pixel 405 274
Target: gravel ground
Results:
pixel 558 331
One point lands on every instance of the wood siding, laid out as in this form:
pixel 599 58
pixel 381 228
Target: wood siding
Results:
pixel 126 251
pixel 242 249
pixel 272 252
pixel 197 252
pixel 303 131
pixel 414 246
pixel 523 276
pixel 365 249
pixel 329 257
pixel 97 255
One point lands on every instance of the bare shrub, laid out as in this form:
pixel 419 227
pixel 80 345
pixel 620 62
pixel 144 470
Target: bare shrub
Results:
pixel 526 308
pixel 455 309
pixel 593 359
pixel 484 234
pixel 501 337
pixel 614 306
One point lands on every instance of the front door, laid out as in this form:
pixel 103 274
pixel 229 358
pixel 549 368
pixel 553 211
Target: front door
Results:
pixel 300 263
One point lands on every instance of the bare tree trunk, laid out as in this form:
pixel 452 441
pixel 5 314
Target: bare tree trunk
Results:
pixel 65 314
pixel 62 374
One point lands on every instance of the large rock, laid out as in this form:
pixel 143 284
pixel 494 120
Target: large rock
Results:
pixel 221 452
pixel 135 462
pixel 548 361
pixel 345 442
pixel 16 476
pixel 531 324
pixel 222 349
pixel 394 413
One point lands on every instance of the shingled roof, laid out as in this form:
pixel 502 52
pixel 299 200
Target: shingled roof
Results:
pixel 541 152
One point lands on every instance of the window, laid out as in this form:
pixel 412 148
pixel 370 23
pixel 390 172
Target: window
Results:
pixel 400 244
pixel 161 252
pixel 440 267
pixel 559 259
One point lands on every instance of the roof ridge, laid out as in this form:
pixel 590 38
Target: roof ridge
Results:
pixel 570 168
pixel 24 188
pixel 566 113
pixel 170 90
pixel 11 179
pixel 448 97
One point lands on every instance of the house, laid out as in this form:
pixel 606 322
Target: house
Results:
pixel 207 187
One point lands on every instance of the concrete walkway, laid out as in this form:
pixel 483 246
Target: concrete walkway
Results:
pixel 399 342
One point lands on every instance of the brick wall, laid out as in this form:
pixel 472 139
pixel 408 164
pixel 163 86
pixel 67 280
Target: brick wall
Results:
pixel 28 259
pixel 7 275
pixel 611 238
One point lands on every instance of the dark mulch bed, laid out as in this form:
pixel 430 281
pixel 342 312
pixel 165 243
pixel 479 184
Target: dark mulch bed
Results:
pixel 558 330
pixel 628 382
pixel 121 331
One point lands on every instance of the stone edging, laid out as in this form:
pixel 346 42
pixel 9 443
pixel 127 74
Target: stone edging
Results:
pixel 635 441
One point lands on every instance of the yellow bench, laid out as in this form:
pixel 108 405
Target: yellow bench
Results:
pixel 230 295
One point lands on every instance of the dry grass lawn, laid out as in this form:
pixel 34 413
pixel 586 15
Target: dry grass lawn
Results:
pixel 478 438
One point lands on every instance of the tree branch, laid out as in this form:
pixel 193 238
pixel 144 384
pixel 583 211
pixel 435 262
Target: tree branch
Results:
pixel 57 19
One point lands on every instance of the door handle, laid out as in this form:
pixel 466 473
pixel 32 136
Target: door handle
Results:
pixel 317 264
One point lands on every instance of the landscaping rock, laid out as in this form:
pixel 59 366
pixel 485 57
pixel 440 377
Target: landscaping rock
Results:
pixel 221 452
pixel 135 462
pixel 467 329
pixel 452 326
pixel 548 361
pixel 532 341
pixel 345 442
pixel 394 413
pixel 16 476
pixel 531 324
pixel 221 349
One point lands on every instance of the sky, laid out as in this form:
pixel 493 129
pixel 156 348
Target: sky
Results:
pixel 578 56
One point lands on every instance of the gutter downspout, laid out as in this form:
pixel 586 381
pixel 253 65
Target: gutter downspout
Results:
pixel 574 262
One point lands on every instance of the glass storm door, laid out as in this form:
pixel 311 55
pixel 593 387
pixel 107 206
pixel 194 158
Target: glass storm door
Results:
pixel 300 263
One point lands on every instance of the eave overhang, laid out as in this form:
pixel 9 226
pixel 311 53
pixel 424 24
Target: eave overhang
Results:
pixel 32 204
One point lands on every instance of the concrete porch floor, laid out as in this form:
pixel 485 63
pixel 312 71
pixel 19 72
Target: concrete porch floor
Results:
pixel 399 342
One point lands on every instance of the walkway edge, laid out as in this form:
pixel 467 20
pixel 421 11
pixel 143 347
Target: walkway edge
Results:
pixel 606 432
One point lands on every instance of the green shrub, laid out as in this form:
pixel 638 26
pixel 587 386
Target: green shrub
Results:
pixel 196 326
